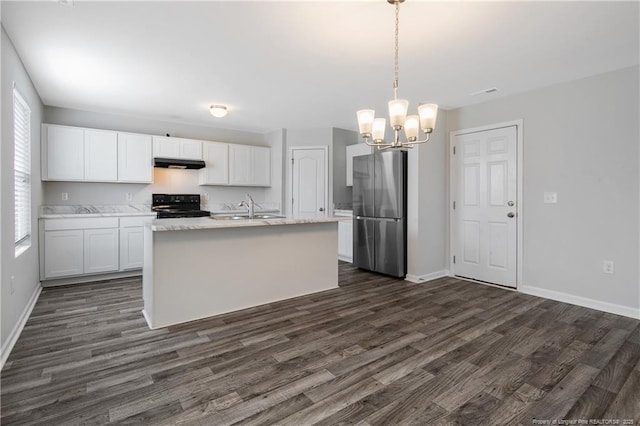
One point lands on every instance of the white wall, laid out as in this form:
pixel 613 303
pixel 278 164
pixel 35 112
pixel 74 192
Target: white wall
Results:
pixel 581 139
pixel 277 141
pixel 165 181
pixel 426 206
pixel 342 194
pixel 24 269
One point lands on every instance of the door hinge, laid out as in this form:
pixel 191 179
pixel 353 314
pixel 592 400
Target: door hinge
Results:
pixel 454 205
pixel 454 260
pixel 292 160
pixel 454 150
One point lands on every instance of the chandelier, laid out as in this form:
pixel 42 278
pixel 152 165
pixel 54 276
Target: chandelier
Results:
pixel 372 129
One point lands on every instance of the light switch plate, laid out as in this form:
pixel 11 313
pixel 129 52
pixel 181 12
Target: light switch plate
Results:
pixel 550 197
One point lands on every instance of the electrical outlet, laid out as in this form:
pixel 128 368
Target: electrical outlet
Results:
pixel 550 197
pixel 206 197
pixel 128 196
pixel 65 196
pixel 13 287
pixel 607 266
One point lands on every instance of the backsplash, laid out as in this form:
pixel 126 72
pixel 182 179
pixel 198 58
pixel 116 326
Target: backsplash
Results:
pixel 214 198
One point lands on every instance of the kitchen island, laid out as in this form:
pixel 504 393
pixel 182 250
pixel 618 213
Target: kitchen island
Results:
pixel 199 267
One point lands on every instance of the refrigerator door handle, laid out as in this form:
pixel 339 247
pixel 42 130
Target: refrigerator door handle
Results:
pixel 381 219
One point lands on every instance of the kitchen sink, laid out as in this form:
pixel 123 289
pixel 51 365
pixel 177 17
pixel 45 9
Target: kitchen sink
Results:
pixel 230 217
pixel 246 217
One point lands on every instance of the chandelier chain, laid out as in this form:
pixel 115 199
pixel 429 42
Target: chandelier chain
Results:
pixel 395 69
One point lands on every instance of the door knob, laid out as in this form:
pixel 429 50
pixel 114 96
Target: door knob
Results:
pixel 510 203
pixel 321 209
pixel 510 214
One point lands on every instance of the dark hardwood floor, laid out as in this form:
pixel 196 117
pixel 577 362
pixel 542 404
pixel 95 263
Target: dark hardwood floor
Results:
pixel 377 351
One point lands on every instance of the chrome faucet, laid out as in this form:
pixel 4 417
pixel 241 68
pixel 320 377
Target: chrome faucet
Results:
pixel 250 205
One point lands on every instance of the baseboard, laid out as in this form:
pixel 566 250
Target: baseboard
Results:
pixel 581 301
pixel 147 319
pixel 427 277
pixel 17 329
pixel 83 279
pixel 345 259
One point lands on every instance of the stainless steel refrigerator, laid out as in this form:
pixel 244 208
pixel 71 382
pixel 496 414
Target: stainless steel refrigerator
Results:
pixel 379 212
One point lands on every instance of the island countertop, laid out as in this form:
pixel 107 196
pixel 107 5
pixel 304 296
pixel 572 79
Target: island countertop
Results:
pixel 185 224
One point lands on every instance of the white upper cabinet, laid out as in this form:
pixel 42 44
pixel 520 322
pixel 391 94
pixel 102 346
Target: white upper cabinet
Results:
pixel 240 164
pixel 249 165
pixel 355 151
pixel 134 158
pixel 167 147
pixel 62 153
pixel 190 149
pixel 216 159
pixel 261 166
pixel 76 153
pixel 100 155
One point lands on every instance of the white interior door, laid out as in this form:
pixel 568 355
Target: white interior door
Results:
pixel 485 194
pixel 309 182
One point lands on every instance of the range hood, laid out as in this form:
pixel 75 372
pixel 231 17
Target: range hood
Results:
pixel 177 163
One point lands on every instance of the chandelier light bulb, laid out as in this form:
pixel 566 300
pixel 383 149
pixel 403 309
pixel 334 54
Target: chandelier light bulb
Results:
pixel 428 114
pixel 411 128
pixel 398 113
pixel 379 126
pixel 365 121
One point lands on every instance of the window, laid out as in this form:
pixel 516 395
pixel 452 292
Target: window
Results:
pixel 22 172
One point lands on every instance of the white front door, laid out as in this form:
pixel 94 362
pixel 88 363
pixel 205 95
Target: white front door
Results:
pixel 485 194
pixel 309 186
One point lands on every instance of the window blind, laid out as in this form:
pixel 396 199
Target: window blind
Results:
pixel 22 171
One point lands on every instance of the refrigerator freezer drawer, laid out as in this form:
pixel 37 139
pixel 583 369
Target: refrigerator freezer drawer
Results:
pixel 390 252
pixel 379 245
pixel 363 243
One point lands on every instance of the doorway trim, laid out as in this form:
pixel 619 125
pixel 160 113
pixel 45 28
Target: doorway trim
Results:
pixel 289 192
pixel 519 187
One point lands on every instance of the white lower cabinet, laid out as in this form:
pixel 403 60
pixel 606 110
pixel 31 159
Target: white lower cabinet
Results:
pixel 345 238
pixel 131 248
pixel 64 253
pixel 100 250
pixel 88 246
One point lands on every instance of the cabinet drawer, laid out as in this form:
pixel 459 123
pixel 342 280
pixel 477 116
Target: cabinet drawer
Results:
pixel 81 223
pixel 128 222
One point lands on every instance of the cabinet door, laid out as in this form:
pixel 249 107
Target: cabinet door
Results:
pixel 166 147
pixel 100 250
pixel 64 149
pixel 63 253
pixel 134 158
pixel 100 155
pixel 261 166
pixel 240 164
pixel 131 248
pixel 345 241
pixel 216 158
pixel 190 149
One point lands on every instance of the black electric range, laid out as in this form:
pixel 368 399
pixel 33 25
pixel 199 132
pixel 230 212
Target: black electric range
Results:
pixel 177 205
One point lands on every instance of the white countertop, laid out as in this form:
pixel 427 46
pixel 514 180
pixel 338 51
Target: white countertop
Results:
pixel 210 223
pixel 91 210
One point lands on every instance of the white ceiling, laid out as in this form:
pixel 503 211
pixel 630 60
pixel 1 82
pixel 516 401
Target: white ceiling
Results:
pixel 307 64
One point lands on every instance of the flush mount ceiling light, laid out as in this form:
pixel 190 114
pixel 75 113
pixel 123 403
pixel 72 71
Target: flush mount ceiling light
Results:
pixel 218 111
pixel 372 128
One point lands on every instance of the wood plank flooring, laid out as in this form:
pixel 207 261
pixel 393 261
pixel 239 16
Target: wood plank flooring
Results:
pixel 377 351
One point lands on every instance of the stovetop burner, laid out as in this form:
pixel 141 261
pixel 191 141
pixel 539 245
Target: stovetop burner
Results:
pixel 177 205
